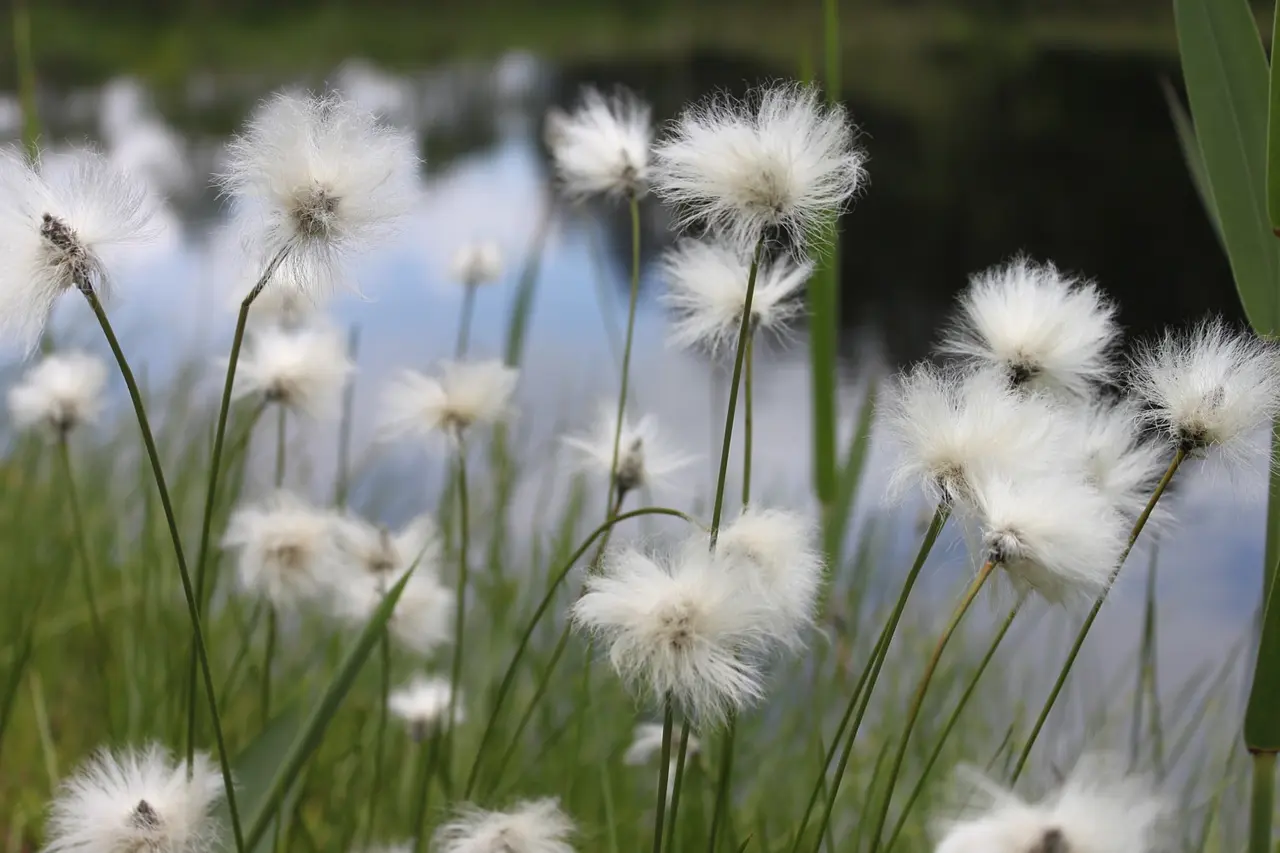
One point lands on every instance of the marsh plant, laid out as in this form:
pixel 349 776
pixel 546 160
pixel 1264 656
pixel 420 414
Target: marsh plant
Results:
pixel 574 692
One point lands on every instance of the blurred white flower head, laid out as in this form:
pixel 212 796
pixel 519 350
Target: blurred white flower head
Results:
pixel 315 178
pixel 303 369
pixel 602 146
pixel 136 800
pixel 462 394
pixel 1210 386
pixel 55 224
pixel 61 392
pixel 644 460
pixel 532 826
pixel 475 264
pixel 1115 458
pixel 422 618
pixel 779 161
pixel 1041 328
pixel 646 743
pixel 385 556
pixel 707 290
pixel 288 548
pixel 1098 809
pixel 423 705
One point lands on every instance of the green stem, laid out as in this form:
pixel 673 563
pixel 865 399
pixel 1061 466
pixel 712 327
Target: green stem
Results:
pixel 343 480
pixel 464 322
pixel 722 784
pixel 26 78
pixel 744 329
pixel 426 769
pixel 913 713
pixel 281 433
pixel 677 784
pixel 664 769
pixel 854 711
pixel 747 430
pixel 626 349
pixel 375 791
pixel 541 690
pixel 951 724
pixel 1262 802
pixel 268 656
pixel 459 629
pixel 508 677
pixel 153 455
pixel 1177 460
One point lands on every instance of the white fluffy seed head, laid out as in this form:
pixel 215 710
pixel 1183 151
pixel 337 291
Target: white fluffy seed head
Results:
pixel 475 264
pixel 532 826
pixel 951 424
pixel 61 392
pixel 373 551
pixel 422 619
pixel 683 627
pixel 646 743
pixel 1098 809
pixel 56 219
pixel 774 550
pixel 1041 328
pixel 423 705
pixel 778 161
pixel 1211 386
pixel 288 548
pixel 303 369
pixel 602 147
pixel 1053 534
pixel 643 457
pixel 707 290
pixel 461 395
pixel 1115 458
pixel 317 177
pixel 136 800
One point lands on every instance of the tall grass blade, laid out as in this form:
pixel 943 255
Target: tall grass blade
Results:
pixel 1195 160
pixel 1273 132
pixel 256 764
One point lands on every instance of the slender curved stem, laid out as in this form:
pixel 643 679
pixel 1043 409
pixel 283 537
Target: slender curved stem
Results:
pixel 1262 802
pixel 913 713
pixel 375 790
pixel 464 322
pixel 268 656
pixel 426 769
pixel 1178 458
pixel 188 589
pixel 951 724
pixel 281 434
pixel 852 718
pixel 677 784
pixel 659 813
pixel 508 678
pixel 722 783
pixel 626 347
pixel 541 690
pixel 748 432
pixel 459 617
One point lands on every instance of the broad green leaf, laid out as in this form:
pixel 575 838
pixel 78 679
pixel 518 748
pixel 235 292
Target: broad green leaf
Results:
pixel 1262 716
pixel 257 764
pixel 824 328
pixel 1273 133
pixel 1225 70
pixel 1195 160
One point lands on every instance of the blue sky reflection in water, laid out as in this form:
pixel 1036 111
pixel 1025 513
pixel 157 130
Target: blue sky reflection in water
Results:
pixel 486 177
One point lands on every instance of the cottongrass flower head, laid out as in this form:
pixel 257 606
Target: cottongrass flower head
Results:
pixel 1056 535
pixel 303 369
pixel 779 161
pixel 951 424
pixel 61 392
pixel 1115 457
pixel 1211 386
pixel 646 743
pixel 1041 328
pixel 136 800
pixel 679 627
pixel 532 826
pixel 776 550
pixel 421 620
pixel 288 548
pixel 316 177
pixel 644 460
pixel 707 291
pixel 475 264
pixel 460 395
pixel 423 704
pixel 602 146
pixel 1098 809
pixel 56 220
pixel 375 552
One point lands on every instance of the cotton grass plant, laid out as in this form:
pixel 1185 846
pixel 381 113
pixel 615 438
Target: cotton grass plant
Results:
pixel 1029 433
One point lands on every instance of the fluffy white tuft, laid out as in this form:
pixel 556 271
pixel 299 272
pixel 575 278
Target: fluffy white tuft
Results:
pixel 532 826
pixel 376 552
pixel 684 627
pixel 1053 534
pixel 288 548
pixel 707 289
pixel 1098 809
pixel 136 800
pixel 475 264
pixel 780 160
pixel 949 425
pixel 303 369
pixel 60 393
pixel 643 458
pixel 460 395
pixel 422 619
pixel 423 704
pixel 1209 386
pixel 317 177
pixel 1114 457
pixel 55 222
pixel 602 147
pixel 1043 329
pixel 646 743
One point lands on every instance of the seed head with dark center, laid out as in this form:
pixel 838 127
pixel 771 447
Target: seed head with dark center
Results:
pixel 144 816
pixel 67 253
pixel 314 213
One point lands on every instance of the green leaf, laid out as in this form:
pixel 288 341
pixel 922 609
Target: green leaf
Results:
pixel 257 764
pixel 1225 70
pixel 312 730
pixel 1195 160
pixel 824 329
pixel 1273 133
pixel 1262 716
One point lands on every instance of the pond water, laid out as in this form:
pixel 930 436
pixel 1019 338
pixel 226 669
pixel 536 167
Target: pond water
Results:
pixel 1068 157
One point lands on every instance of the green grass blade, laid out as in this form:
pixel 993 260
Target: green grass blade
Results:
pixel 1273 132
pixel 257 763
pixel 1195 160
pixel 26 77
pixel 837 521
pixel 824 322
pixel 1225 70
pixel 1262 717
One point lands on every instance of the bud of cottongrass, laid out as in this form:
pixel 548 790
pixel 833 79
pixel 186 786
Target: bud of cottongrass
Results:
pixel 61 392
pixel 532 826
pixel 602 147
pixel 288 548
pixel 643 459
pixel 303 369
pixel 461 395
pixel 475 264
pixel 423 704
